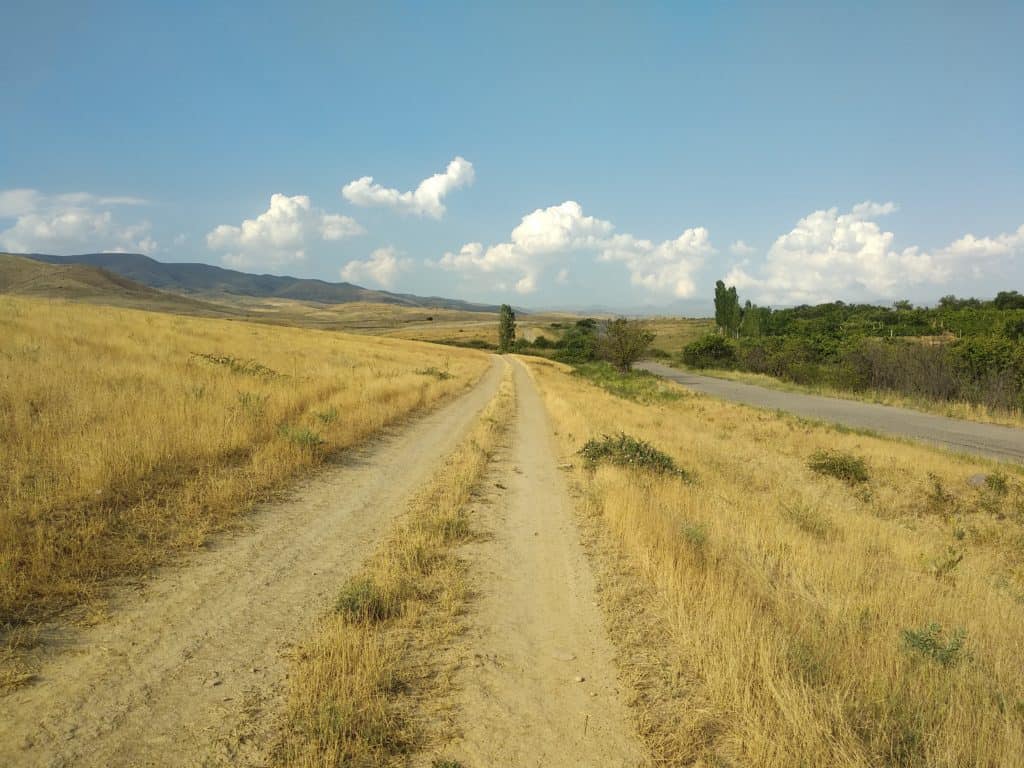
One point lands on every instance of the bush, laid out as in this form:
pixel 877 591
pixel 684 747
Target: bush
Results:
pixel 626 451
pixel 579 343
pixel 710 352
pixel 843 466
pixel 624 342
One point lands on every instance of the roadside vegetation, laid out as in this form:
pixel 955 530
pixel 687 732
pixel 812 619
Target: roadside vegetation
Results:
pixel 965 356
pixel 130 435
pixel 365 688
pixel 813 597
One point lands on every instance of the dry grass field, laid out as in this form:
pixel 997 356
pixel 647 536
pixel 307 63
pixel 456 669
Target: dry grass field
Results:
pixel 129 435
pixel 801 618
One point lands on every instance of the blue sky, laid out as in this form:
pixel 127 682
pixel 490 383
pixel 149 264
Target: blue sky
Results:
pixel 623 156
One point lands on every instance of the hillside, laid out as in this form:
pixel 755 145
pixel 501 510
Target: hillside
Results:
pixel 206 279
pixel 27 277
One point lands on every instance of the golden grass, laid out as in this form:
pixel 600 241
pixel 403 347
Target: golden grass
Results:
pixel 122 443
pixel 674 333
pixel 956 410
pixel 359 685
pixel 786 596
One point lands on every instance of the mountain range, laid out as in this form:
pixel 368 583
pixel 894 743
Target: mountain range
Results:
pixel 209 281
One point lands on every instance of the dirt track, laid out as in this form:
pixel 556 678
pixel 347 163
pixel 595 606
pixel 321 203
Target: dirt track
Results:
pixel 189 670
pixel 167 681
pixel 991 440
pixel 539 686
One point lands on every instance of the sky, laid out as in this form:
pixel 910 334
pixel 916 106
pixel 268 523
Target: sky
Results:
pixel 548 155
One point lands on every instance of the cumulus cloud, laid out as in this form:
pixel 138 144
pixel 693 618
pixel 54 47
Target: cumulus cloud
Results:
pixel 426 200
pixel 830 255
pixel 383 266
pixel 740 248
pixel 548 233
pixel 279 235
pixel 69 222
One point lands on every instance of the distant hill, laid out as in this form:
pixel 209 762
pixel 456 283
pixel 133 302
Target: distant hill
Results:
pixel 208 280
pixel 28 277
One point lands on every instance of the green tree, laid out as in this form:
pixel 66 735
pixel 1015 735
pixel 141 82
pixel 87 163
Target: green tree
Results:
pixel 624 342
pixel 728 314
pixel 506 328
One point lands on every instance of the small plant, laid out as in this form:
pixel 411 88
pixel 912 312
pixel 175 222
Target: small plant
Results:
pixel 329 416
pixel 626 451
pixel 252 403
pixel 696 535
pixel 305 438
pixel 843 466
pixel 811 521
pixel 943 565
pixel 997 483
pixel 930 641
pixel 362 599
pixel 236 365
pixel 437 373
pixel 445 763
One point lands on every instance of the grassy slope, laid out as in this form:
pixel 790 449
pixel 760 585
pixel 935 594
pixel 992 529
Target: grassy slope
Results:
pixel 122 442
pixel 783 597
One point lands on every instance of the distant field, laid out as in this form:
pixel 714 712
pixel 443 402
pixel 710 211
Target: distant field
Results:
pixel 860 608
pixel 128 435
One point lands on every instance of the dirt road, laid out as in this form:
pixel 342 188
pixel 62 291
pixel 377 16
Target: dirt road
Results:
pixel 539 686
pixel 991 440
pixel 168 679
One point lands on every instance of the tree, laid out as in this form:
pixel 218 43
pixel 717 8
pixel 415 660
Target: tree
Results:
pixel 1008 300
pixel 728 313
pixel 624 342
pixel 506 328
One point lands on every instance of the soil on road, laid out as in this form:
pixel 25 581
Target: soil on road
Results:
pixel 539 686
pixel 176 672
pixel 990 440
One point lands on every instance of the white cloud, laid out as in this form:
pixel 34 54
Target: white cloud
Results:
pixel 426 200
pixel 831 255
pixel 70 222
pixel 381 268
pixel 740 248
pixel 562 277
pixel 548 233
pixel 279 235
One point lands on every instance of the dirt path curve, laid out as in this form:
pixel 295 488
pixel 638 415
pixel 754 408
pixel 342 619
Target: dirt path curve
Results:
pixel 535 628
pixel 167 680
pixel 991 440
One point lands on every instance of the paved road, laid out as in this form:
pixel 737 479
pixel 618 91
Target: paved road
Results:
pixel 994 441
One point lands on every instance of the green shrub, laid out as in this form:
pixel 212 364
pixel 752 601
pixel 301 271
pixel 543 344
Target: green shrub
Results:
pixel 844 466
pixel 626 451
pixel 930 642
pixel 709 352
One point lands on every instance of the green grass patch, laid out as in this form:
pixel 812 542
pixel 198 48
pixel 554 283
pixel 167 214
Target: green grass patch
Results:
pixel 640 386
